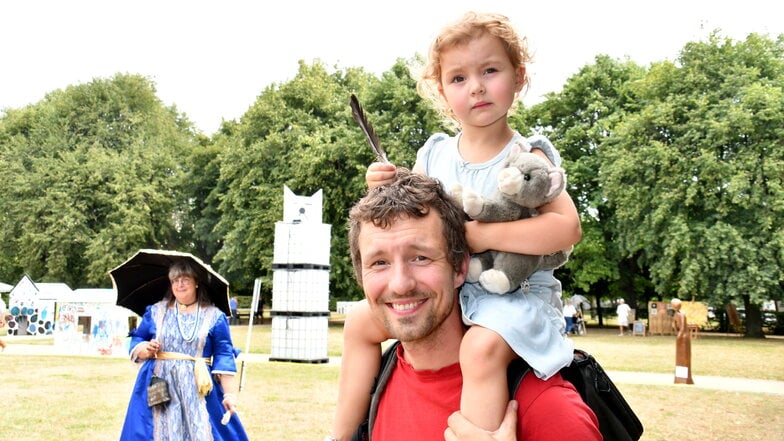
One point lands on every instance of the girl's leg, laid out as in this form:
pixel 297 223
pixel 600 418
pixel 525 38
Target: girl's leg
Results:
pixel 362 338
pixel 484 357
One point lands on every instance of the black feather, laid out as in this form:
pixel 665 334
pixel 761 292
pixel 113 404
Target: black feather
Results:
pixel 359 117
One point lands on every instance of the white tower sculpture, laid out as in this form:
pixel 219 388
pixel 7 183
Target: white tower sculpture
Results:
pixel 300 281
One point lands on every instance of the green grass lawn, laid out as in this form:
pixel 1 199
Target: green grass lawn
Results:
pixel 84 398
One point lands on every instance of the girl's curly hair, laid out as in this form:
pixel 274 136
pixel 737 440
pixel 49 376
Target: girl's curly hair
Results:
pixel 471 26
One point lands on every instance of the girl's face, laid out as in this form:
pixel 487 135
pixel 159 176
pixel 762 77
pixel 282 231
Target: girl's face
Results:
pixel 479 82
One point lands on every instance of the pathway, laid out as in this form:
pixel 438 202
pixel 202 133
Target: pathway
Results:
pixel 618 377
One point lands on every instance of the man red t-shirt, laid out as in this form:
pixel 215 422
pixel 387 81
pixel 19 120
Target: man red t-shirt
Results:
pixel 415 405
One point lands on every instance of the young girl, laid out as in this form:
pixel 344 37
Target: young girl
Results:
pixel 475 71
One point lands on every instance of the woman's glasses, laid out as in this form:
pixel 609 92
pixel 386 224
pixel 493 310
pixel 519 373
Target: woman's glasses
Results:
pixel 182 280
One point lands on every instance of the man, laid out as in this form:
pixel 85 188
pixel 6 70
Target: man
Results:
pixel 410 255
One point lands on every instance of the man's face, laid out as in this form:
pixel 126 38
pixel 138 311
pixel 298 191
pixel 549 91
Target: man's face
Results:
pixel 407 279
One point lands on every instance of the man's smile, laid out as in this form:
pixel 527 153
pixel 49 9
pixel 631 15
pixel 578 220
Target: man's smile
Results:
pixel 406 307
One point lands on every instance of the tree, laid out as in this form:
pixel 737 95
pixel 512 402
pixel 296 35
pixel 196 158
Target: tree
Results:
pixel 201 192
pixel 578 119
pixel 403 120
pixel 301 134
pixel 295 134
pixel 91 177
pixel 696 178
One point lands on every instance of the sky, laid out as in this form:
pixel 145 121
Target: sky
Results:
pixel 213 58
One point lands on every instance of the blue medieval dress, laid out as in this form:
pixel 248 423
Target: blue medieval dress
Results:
pixel 188 416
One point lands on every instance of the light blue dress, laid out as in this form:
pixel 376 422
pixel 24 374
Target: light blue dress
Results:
pixel 187 417
pixel 529 318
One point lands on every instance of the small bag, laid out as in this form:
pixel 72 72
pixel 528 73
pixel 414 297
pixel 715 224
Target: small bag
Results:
pixel 157 392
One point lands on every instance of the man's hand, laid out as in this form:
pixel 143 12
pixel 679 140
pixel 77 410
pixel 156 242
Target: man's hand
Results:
pixel 460 429
pixel 380 173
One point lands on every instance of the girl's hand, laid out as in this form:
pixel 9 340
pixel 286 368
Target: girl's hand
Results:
pixel 380 173
pixel 460 429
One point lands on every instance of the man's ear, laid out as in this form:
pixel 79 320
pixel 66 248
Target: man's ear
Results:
pixel 462 272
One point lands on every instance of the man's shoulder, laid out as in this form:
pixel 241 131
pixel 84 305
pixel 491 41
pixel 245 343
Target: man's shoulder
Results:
pixel 533 389
pixel 552 396
pixel 542 405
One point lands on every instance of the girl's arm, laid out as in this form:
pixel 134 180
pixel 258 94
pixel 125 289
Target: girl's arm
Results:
pixel 362 338
pixel 556 227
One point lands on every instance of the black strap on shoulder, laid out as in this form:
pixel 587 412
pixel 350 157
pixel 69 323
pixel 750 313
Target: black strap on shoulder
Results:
pixel 388 361
pixel 514 375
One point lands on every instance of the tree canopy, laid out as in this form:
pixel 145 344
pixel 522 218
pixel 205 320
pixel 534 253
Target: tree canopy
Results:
pixel 90 175
pixel 676 169
pixel 301 135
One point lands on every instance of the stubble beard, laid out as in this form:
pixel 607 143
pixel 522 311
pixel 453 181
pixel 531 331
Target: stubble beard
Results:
pixel 417 327
pixel 409 329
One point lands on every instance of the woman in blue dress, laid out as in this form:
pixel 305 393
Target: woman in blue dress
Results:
pixel 185 340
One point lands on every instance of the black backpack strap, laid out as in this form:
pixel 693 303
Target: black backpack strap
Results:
pixel 514 375
pixel 388 362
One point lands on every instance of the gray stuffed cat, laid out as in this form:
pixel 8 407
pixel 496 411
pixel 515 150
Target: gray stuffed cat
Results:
pixel 525 182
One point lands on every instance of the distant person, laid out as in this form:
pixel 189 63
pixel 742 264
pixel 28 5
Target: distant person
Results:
pixel 579 322
pixel 260 311
pixel 570 316
pixel 682 345
pixel 235 320
pixel 623 311
pixel 174 339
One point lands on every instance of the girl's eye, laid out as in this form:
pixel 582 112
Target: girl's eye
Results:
pixel 490 70
pixel 458 79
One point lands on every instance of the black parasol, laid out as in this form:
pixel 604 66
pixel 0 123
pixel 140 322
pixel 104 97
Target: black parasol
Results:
pixel 144 279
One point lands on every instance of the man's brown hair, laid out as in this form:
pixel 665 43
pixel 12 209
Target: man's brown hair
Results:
pixel 412 195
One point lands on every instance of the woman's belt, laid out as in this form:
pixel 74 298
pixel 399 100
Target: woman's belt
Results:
pixel 200 371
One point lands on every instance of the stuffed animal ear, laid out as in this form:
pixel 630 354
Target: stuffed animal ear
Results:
pixel 557 182
pixel 519 147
